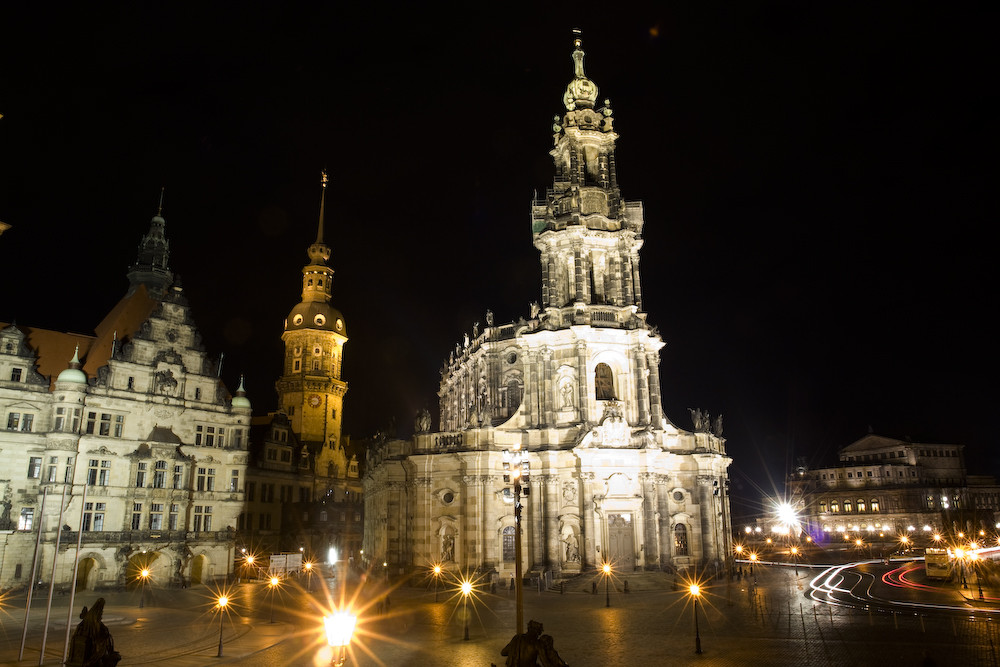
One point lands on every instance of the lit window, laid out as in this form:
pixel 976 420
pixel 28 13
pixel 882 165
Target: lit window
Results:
pixel 27 518
pixel 680 540
pixel 34 467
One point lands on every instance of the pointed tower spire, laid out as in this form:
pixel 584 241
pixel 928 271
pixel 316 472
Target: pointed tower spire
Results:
pixel 324 179
pixel 151 268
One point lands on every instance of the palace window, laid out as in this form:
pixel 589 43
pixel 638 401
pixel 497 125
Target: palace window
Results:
pixel 822 507
pixel 27 518
pixel 206 479
pixel 93 516
pixel 140 475
pixel 234 481
pixel 172 518
pixel 136 516
pixel 16 374
pixel 202 518
pixel 835 507
pixel 178 476
pixel 861 504
pixel 53 471
pixel 160 475
pixel 107 425
pixel 847 505
pixel 680 540
pixel 34 467
pixel 156 516
pixel 604 384
pixel 874 505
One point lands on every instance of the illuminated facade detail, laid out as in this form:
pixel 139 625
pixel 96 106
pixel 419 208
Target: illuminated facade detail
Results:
pixel 577 387
pixel 143 423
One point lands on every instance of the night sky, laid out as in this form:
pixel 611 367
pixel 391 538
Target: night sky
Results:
pixel 814 176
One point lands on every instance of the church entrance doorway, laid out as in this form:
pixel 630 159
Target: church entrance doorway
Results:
pixel 621 542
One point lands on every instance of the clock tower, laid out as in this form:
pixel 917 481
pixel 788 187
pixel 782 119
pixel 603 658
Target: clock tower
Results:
pixel 311 391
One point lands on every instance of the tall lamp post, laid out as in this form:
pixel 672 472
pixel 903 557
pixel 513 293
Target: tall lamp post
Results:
pixel 223 601
pixel 309 572
pixel 339 628
pixel 695 594
pixel 516 470
pixel 437 576
pixel 606 568
pixel 466 589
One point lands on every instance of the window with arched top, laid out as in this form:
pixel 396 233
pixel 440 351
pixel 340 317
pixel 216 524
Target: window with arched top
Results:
pixel 680 540
pixel 508 543
pixel 604 383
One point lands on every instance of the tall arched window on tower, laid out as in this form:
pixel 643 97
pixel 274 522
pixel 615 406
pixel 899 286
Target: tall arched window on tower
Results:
pixel 513 396
pixel 604 383
pixel 680 540
pixel 508 543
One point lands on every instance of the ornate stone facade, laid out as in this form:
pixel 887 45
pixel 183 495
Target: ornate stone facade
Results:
pixel 577 387
pixel 140 444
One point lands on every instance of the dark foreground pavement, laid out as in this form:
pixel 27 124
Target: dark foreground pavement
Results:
pixel 771 624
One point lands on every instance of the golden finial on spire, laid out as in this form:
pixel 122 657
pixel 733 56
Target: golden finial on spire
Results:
pixel 577 37
pixel 324 179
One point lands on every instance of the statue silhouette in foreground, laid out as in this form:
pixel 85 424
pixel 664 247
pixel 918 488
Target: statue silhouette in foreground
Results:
pixel 92 644
pixel 531 648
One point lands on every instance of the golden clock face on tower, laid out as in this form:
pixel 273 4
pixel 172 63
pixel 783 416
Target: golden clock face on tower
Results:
pixel 315 400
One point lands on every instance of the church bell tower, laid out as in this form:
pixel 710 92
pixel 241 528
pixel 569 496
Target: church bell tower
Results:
pixel 311 391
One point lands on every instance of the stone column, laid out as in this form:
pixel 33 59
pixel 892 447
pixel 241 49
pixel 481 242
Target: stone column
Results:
pixel 581 372
pixel 577 273
pixel 655 397
pixel 614 269
pixel 537 522
pixel 546 301
pixel 650 511
pixel 588 522
pixel 548 387
pixel 602 163
pixel 551 510
pixel 626 273
pixel 612 170
pixel 530 390
pixel 641 387
pixel 636 284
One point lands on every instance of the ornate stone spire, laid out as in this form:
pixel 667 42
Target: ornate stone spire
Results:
pixel 581 93
pixel 151 268
pixel 319 252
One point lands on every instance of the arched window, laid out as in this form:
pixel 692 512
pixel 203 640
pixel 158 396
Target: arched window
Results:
pixel 508 543
pixel 874 505
pixel 604 383
pixel 834 506
pixel 861 504
pixel 680 540
pixel 513 395
pixel 847 505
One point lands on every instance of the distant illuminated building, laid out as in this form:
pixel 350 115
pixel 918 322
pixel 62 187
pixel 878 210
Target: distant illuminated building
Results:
pixel 577 387
pixel 894 487
pixel 136 417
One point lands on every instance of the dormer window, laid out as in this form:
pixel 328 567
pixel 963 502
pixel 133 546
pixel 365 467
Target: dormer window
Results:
pixel 16 374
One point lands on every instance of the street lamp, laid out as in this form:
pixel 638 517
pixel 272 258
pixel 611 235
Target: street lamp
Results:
pixel 794 552
pixel 339 628
pixel 272 585
pixel 695 591
pixel 466 589
pixel 143 575
pixel 753 559
pixel 437 576
pixel 223 601
pixel 960 556
pixel 606 569
pixel 515 471
pixel 309 571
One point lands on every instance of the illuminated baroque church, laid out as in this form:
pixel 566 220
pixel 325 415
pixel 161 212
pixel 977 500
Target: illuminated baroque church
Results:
pixel 577 389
